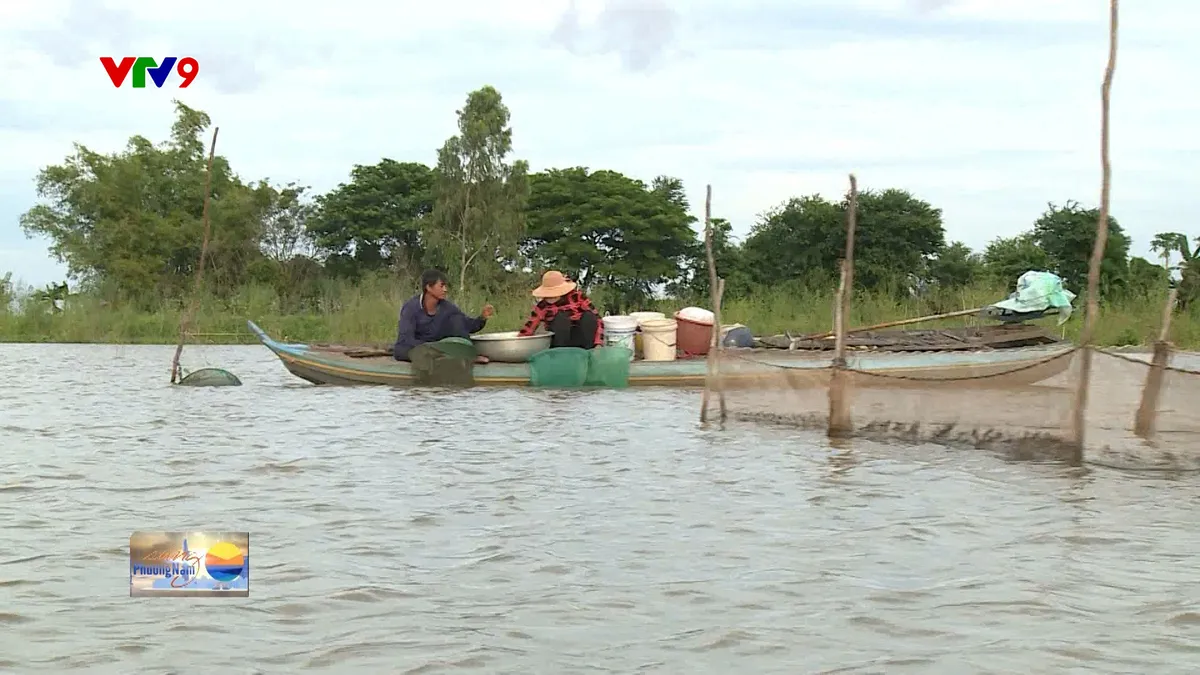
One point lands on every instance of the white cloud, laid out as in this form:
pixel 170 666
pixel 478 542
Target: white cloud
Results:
pixel 987 108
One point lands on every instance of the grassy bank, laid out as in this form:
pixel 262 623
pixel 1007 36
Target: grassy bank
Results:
pixel 366 313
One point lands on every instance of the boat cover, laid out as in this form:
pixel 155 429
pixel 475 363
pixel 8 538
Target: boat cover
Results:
pixel 1037 292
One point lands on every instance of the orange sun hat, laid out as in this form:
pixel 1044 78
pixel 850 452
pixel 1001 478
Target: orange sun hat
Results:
pixel 554 284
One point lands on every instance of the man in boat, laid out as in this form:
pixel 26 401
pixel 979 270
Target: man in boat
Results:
pixel 566 313
pixel 428 317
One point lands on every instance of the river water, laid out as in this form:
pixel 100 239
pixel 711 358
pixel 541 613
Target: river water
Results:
pixel 512 531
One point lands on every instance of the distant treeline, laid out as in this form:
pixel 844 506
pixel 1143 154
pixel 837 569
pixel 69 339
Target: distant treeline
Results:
pixel 128 225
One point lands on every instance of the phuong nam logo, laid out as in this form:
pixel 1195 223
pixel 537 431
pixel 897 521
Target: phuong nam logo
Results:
pixel 204 564
pixel 224 562
pixel 187 68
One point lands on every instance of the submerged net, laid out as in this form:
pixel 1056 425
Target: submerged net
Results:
pixel 210 377
pixel 1019 401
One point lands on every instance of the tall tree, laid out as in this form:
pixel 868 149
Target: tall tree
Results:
pixel 607 229
pixel 728 258
pixel 376 218
pixel 955 266
pixel 289 263
pixel 7 292
pixel 1168 243
pixel 799 240
pixel 1006 259
pixel 1146 278
pixel 1068 233
pixel 286 217
pixel 897 235
pixel 132 220
pixel 670 189
pixel 802 240
pixel 479 199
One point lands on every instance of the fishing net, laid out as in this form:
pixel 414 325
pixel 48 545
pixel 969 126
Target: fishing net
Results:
pixel 210 377
pixel 1019 401
pixel 608 367
pixel 1131 414
pixel 559 368
pixel 445 363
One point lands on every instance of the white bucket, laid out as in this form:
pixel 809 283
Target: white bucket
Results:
pixel 619 331
pixel 658 339
pixel 639 342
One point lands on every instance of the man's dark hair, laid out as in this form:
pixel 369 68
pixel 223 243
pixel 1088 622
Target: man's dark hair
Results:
pixel 430 277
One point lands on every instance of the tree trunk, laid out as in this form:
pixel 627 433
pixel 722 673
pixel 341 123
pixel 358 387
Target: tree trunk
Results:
pixel 462 242
pixel 462 270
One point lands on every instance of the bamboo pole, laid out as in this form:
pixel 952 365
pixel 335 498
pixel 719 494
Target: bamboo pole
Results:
pixel 1147 412
pixel 886 324
pixel 719 348
pixel 716 287
pixel 1079 417
pixel 839 411
pixel 186 320
pixel 851 226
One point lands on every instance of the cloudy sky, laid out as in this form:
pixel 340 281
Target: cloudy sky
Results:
pixel 988 109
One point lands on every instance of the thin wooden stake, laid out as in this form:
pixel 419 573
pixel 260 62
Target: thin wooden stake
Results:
pixel 1079 417
pixel 1143 422
pixel 719 347
pixel 186 320
pixel 716 289
pixel 839 409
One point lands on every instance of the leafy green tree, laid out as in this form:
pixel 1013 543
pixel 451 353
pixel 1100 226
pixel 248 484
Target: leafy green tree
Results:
pixel 132 220
pixel 1068 233
pixel 799 240
pixel 955 266
pixel 671 189
pixel 479 205
pixel 728 258
pixel 606 229
pixel 896 235
pixel 7 292
pixel 1146 278
pixel 1168 243
pixel 375 219
pixel 1005 259
pixel 286 216
pixel 289 262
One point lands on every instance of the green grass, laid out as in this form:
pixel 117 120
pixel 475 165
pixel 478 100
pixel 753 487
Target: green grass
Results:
pixel 367 313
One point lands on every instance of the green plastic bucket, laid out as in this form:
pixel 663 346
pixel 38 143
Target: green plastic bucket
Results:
pixel 609 367
pixel 561 367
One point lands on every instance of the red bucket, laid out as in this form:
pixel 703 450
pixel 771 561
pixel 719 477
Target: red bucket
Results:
pixel 691 337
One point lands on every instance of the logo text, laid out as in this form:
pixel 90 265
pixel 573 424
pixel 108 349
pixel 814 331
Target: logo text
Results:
pixel 187 68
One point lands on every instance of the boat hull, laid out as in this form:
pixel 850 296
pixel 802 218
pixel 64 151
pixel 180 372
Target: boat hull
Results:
pixel 742 369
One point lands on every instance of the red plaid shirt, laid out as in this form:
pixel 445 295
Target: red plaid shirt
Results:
pixel 575 302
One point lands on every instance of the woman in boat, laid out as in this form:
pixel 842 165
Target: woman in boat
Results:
pixel 566 312
pixel 429 317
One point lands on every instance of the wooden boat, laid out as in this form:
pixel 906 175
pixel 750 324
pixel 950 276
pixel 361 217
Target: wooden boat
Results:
pixel 744 368
pixel 975 338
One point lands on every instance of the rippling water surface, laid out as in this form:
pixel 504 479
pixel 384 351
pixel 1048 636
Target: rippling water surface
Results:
pixel 514 531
